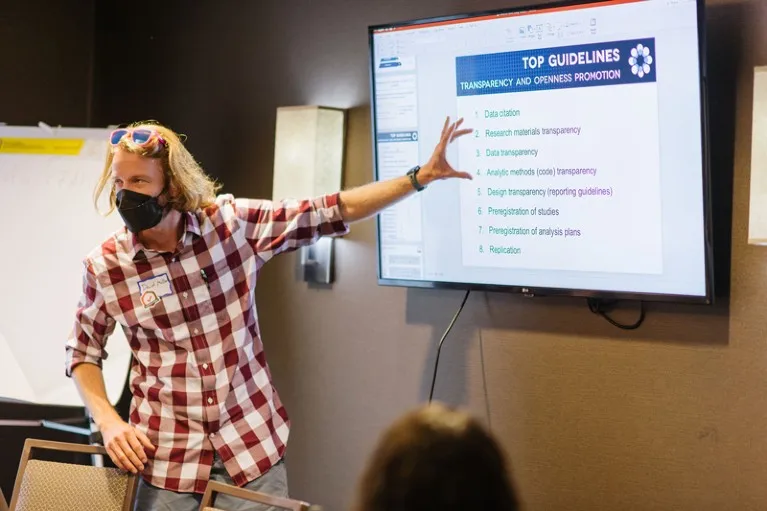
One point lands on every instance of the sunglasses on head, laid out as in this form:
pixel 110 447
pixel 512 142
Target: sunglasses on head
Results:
pixel 139 136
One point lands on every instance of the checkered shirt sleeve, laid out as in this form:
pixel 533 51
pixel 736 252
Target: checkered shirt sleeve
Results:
pixel 92 325
pixel 282 226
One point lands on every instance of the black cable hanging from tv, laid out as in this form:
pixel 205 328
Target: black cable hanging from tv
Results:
pixel 442 340
pixel 602 308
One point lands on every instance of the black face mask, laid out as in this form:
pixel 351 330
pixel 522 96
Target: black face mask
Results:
pixel 139 211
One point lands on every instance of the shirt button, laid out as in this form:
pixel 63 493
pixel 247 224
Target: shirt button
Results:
pixel 205 366
pixel 212 435
pixel 185 294
pixel 210 400
pixel 196 331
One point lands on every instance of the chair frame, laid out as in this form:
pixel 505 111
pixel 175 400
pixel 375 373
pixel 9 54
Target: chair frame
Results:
pixel 33 443
pixel 253 496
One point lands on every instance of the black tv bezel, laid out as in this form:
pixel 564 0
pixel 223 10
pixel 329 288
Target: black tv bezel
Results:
pixel 708 298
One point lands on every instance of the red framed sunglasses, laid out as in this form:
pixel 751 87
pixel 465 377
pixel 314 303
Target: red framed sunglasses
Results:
pixel 139 136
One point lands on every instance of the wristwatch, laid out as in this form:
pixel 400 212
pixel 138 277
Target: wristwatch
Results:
pixel 412 174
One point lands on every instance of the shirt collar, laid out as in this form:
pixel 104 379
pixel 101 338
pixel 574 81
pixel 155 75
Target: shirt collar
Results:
pixel 136 250
pixel 192 224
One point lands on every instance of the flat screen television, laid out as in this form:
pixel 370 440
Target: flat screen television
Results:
pixel 589 151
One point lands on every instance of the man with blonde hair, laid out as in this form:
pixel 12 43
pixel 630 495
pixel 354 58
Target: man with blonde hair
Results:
pixel 179 279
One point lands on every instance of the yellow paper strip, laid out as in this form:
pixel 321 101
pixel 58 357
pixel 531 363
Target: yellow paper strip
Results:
pixel 59 146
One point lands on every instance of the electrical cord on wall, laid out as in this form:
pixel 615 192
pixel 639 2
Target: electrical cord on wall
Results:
pixel 442 340
pixel 602 307
pixel 596 306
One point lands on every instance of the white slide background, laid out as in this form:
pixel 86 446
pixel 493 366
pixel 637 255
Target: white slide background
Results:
pixel 49 226
pixel 621 233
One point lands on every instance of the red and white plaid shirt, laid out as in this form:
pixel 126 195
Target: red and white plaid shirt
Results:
pixel 199 377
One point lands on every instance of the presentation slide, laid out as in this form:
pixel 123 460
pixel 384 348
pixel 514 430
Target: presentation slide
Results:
pixel 586 155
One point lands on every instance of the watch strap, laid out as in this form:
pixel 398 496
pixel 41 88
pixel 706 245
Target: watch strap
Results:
pixel 412 174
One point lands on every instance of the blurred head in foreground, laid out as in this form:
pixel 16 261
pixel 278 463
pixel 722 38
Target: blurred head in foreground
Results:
pixel 436 458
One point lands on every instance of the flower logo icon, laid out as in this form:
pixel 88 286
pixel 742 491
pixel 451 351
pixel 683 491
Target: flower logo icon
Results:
pixel 640 60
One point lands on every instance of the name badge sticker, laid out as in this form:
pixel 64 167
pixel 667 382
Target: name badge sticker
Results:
pixel 153 289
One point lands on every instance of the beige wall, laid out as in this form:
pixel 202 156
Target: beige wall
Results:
pixel 673 416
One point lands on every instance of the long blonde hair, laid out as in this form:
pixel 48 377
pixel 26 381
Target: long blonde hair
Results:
pixel 187 185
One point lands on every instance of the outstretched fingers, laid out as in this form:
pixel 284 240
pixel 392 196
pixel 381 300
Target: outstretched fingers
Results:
pixel 445 128
pixel 460 133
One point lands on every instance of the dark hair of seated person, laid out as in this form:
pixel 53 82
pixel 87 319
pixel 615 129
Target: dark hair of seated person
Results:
pixel 436 458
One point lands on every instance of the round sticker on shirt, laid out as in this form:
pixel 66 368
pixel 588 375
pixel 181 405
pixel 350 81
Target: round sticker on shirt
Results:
pixel 149 299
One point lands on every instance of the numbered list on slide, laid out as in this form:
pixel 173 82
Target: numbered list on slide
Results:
pixel 565 159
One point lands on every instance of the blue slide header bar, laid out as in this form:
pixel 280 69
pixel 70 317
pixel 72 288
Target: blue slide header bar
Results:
pixel 564 67
pixel 397 136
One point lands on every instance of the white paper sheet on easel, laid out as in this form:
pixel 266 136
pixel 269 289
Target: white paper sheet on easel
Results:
pixel 50 225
